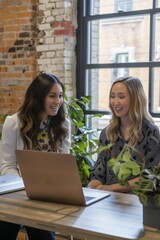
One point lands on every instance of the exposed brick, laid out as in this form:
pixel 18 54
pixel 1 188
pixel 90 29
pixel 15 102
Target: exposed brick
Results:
pixel 63 28
pixel 2 62
pixel 12 49
pixel 5 55
pixel 3 69
pixel 9 35
pixel 1 29
pixel 32 41
pixel 13 28
pixel 24 34
pixel 19 42
pixel 19 49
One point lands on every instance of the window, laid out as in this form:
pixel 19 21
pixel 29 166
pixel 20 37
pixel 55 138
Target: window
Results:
pixel 121 58
pixel 113 43
pixel 123 5
pixel 122 54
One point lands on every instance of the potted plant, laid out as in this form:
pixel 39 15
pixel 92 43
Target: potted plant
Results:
pixel 84 143
pixel 148 186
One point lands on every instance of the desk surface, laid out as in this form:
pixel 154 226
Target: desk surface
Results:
pixel 116 217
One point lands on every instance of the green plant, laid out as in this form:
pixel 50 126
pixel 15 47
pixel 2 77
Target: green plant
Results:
pixel 84 143
pixel 148 185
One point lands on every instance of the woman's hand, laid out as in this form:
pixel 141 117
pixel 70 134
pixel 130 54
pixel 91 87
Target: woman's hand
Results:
pixel 105 187
pixel 96 184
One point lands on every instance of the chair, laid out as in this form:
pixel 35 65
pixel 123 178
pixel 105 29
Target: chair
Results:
pixel 22 235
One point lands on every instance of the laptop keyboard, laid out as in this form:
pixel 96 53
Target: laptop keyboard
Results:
pixel 87 198
pixel 4 183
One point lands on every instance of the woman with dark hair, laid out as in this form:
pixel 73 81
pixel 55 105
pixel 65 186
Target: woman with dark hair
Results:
pixel 130 123
pixel 40 124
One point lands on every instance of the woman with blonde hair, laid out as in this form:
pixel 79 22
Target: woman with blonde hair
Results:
pixel 130 123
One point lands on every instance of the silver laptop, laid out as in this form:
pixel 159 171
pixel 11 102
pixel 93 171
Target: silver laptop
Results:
pixel 50 176
pixel 10 183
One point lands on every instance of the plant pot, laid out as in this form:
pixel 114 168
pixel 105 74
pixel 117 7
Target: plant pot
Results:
pixel 151 215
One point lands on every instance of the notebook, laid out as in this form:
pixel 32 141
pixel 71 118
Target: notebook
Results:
pixel 50 176
pixel 10 183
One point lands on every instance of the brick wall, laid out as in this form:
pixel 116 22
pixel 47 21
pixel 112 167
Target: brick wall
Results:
pixel 35 36
pixel 17 51
pixel 56 24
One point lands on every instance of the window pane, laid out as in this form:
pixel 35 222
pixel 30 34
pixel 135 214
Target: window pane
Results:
pixel 109 37
pixel 157 39
pixel 98 83
pixel 123 5
pixel 97 122
pixel 113 6
pixel 156 91
pixel 118 43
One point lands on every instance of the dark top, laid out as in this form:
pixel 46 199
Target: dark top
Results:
pixel 148 145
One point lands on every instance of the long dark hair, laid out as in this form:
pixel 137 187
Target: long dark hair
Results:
pixel 32 109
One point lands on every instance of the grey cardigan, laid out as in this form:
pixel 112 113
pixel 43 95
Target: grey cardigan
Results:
pixel 148 145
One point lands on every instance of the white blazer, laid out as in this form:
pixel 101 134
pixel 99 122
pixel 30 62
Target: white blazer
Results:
pixel 12 140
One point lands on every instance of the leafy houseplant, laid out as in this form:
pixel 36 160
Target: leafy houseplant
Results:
pixel 148 186
pixel 83 146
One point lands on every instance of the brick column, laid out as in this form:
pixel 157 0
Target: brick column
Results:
pixel 56 40
pixel 35 35
pixel 17 51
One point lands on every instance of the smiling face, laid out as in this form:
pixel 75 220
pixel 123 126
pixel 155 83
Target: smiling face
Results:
pixel 53 101
pixel 120 100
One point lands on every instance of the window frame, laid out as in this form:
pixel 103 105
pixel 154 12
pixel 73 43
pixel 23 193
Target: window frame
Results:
pixel 84 17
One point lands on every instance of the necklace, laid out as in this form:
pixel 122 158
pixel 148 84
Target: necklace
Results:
pixel 45 124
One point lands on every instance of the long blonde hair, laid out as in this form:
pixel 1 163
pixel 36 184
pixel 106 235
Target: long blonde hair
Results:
pixel 137 111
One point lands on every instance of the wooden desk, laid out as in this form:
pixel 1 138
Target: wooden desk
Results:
pixel 116 217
